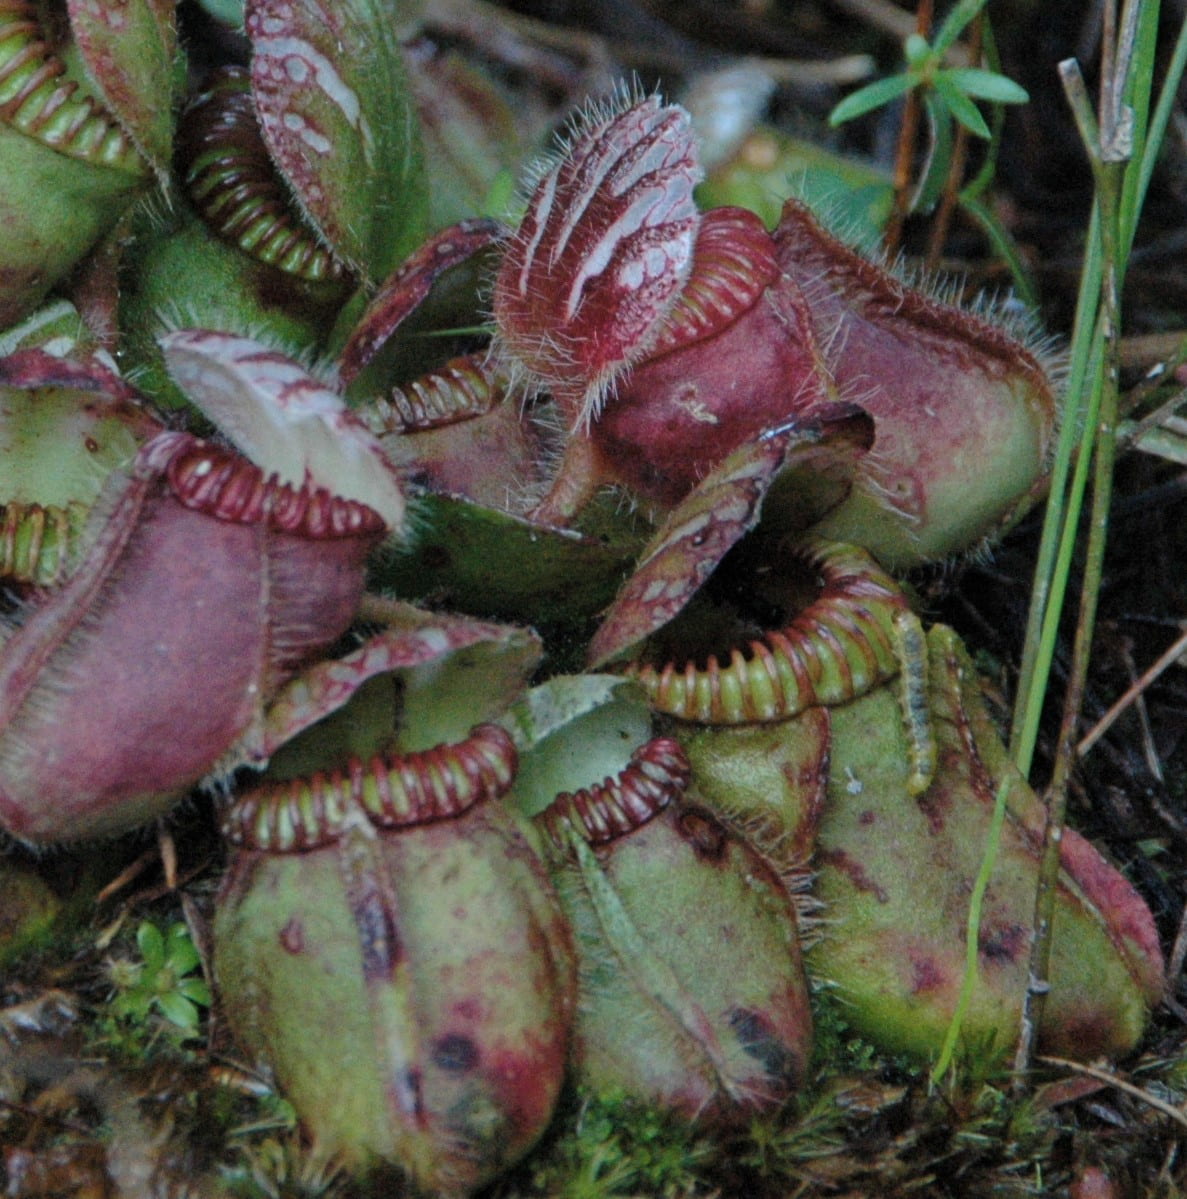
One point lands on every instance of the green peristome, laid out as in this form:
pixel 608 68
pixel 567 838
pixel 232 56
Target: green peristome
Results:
pixel 37 543
pixel 53 212
pixel 894 874
pixel 433 968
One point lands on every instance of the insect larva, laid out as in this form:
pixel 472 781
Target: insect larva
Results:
pixel 391 792
pixel 911 649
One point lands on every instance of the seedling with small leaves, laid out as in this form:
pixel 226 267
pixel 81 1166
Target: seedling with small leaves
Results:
pixel 166 981
pixel 949 92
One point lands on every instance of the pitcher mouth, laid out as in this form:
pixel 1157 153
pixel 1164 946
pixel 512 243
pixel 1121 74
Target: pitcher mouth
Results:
pixel 657 774
pixel 838 646
pixel 231 181
pixel 390 793
pixel 221 483
pixel 37 99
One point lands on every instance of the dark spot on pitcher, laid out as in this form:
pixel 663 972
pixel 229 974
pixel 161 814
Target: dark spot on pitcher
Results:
pixel 455 1053
pixel 757 1037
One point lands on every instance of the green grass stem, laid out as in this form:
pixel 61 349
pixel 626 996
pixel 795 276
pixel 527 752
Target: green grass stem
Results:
pixel 1121 152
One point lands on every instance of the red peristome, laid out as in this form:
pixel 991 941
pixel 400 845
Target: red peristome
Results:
pixel 834 649
pixel 657 773
pixel 398 792
pixel 428 787
pixel 733 264
pixel 294 816
pixel 602 252
pixel 220 483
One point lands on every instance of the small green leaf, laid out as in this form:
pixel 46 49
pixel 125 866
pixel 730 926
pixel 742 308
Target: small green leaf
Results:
pixel 196 991
pixel 151 945
pixel 873 95
pixel 177 1009
pixel 987 85
pixel 961 107
pixel 954 24
pixel 132 1005
pixel 179 950
pixel 934 172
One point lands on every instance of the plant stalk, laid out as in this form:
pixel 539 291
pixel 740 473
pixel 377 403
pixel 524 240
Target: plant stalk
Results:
pixel 1110 151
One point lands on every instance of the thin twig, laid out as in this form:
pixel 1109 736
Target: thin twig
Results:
pixel 1102 726
pixel 904 159
pixel 1107 1076
pixel 1150 351
pixel 1162 417
pixel 1149 749
pixel 1174 965
pixel 960 148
